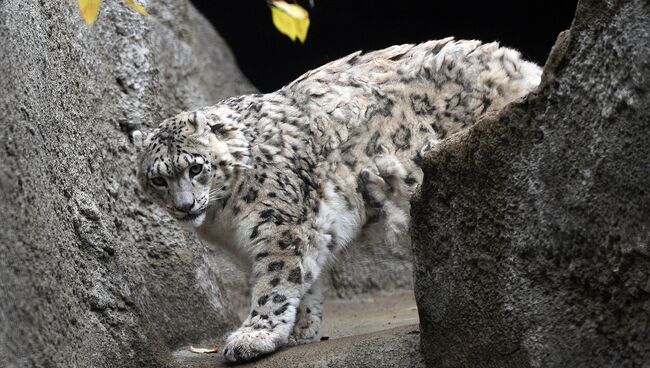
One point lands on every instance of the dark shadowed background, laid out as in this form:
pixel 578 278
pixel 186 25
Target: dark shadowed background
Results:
pixel 339 27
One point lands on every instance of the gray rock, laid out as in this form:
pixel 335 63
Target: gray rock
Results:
pixel 92 275
pixel 532 228
pixel 368 266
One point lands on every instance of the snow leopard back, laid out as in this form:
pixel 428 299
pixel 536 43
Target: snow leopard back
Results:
pixel 371 113
pixel 403 95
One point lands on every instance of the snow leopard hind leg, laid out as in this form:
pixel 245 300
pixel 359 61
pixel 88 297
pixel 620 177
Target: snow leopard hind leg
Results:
pixel 309 318
pixel 387 186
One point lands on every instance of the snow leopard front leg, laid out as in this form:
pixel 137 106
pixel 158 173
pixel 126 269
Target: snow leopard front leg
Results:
pixel 282 277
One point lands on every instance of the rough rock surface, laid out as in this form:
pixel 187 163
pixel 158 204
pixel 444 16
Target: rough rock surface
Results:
pixel 532 228
pixel 368 266
pixel 90 275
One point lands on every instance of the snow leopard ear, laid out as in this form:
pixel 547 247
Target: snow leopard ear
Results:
pixel 138 138
pixel 198 121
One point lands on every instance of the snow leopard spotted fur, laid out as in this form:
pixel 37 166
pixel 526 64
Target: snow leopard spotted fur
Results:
pixel 291 177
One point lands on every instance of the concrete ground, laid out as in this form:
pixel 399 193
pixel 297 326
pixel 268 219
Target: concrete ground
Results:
pixel 375 331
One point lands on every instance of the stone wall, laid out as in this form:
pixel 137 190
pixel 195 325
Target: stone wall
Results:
pixel 531 232
pixel 92 275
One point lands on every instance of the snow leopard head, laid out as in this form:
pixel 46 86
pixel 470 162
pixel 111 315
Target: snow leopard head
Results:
pixel 185 166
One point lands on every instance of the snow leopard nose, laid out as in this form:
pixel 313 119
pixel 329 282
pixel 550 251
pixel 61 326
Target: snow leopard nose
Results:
pixel 184 202
pixel 185 207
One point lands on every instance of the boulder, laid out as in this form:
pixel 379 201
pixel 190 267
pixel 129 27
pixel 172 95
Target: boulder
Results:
pixel 532 228
pixel 91 274
pixel 368 266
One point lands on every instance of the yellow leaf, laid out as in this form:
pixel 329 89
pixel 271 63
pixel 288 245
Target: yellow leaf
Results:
pixel 204 350
pixel 139 8
pixel 89 10
pixel 290 19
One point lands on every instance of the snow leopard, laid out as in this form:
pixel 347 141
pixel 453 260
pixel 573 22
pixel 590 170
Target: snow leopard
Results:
pixel 294 176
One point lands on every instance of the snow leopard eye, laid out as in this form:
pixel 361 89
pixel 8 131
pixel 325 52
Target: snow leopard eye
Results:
pixel 196 169
pixel 159 181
